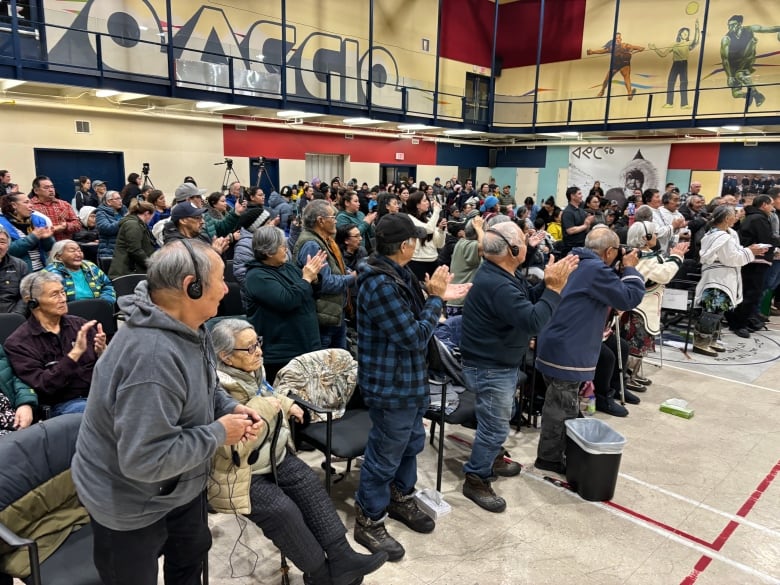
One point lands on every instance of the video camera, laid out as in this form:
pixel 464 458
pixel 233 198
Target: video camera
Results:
pixel 145 168
pixel 227 161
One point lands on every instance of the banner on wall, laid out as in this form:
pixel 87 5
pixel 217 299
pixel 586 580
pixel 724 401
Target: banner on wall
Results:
pixel 619 169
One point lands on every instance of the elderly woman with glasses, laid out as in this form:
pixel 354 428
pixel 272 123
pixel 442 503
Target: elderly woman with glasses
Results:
pixel 279 298
pixel 290 505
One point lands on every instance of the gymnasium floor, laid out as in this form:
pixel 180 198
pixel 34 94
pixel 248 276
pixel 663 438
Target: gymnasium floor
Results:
pixel 697 501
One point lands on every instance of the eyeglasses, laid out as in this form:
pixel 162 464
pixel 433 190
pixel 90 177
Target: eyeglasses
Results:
pixel 357 235
pixel 328 217
pixel 252 348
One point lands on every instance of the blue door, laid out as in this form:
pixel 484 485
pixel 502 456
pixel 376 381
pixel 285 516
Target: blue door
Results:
pixel 64 167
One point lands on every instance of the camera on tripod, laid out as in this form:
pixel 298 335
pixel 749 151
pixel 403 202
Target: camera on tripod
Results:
pixel 145 168
pixel 228 162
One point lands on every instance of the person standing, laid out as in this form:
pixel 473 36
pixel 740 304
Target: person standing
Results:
pixel 394 323
pixel 570 345
pixel 494 344
pixel 107 219
pixel 149 434
pixel 575 221
pixel 64 221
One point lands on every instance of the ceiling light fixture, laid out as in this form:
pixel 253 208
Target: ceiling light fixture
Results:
pixel 297 114
pixel 106 93
pixel 462 132
pixel 215 106
pixel 732 128
pixel 7 84
pixel 361 121
pixel 413 127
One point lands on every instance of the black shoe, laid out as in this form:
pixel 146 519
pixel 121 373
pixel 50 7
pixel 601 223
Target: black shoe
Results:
pixel 373 535
pixel 741 332
pixel 630 397
pixel 554 466
pixel 762 318
pixel 347 566
pixel 642 380
pixel 610 406
pixel 634 386
pixel 505 468
pixel 480 492
pixel 404 508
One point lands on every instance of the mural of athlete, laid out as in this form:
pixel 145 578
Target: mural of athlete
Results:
pixel 621 61
pixel 738 54
pixel 680 51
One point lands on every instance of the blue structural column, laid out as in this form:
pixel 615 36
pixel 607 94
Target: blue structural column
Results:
pixel 170 54
pixel 491 97
pixel 370 80
pixel 538 64
pixel 17 44
pixel 436 74
pixel 611 62
pixel 283 63
pixel 701 61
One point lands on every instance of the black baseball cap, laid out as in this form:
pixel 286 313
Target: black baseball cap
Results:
pixel 397 227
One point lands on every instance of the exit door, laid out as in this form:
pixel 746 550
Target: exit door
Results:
pixel 65 166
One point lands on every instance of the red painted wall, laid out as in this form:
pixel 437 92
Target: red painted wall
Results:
pixel 467 31
pixel 294 144
pixel 700 157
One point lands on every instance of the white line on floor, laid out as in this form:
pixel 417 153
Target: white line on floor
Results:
pixel 713 376
pixel 734 517
pixel 708 552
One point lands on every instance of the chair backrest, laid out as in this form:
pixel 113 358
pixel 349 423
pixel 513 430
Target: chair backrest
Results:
pixel 35 478
pixel 125 285
pixel 231 305
pixel 326 378
pixel 8 324
pixel 229 276
pixel 98 309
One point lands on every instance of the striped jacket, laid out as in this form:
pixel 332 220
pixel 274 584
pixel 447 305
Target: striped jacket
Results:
pixel 394 327
pixel 101 285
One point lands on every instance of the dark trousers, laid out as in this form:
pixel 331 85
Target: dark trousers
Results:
pixel 561 403
pixel 679 71
pixel 297 515
pixel 752 291
pixel 607 377
pixel 130 557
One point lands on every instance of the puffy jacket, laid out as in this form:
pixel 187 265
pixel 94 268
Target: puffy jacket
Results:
pixel 107 222
pixel 98 282
pixel 15 390
pixel 12 270
pixel 134 245
pixel 281 207
pixel 22 244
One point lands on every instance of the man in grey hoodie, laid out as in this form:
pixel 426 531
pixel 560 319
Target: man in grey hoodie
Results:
pixel 155 418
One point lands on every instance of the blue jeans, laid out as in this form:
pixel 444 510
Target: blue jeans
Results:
pixel 772 278
pixel 495 390
pixel 395 439
pixel 334 336
pixel 69 407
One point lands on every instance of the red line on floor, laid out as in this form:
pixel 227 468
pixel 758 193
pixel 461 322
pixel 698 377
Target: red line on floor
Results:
pixel 726 533
pixel 671 529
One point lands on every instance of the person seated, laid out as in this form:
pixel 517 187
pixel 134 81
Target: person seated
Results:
pixel 17 402
pixel 12 270
pixel 289 503
pixel 280 298
pixel 31 233
pixel 88 234
pixel 54 352
pixel 81 278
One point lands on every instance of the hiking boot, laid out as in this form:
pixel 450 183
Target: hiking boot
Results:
pixel 347 566
pixel 630 397
pixel 404 508
pixel 701 345
pixel 504 467
pixel 641 380
pixel 554 466
pixel 373 535
pixel 717 345
pixel 478 490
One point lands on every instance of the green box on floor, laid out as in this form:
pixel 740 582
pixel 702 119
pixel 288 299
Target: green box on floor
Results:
pixel 676 410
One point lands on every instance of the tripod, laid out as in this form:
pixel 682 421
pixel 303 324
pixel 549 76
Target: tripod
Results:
pixel 230 175
pixel 261 171
pixel 147 181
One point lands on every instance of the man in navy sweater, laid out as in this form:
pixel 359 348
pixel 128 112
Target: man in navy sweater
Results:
pixel 569 346
pixel 500 316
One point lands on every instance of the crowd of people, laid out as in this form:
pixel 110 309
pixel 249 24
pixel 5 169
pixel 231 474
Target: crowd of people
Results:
pixel 575 293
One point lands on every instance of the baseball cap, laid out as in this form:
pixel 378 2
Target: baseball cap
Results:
pixel 187 190
pixel 97 183
pixel 184 209
pixel 490 203
pixel 394 228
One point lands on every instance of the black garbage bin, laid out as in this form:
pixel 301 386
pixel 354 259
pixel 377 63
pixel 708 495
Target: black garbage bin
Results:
pixel 593 452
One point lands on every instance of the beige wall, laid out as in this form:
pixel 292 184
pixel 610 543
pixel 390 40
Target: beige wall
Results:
pixel 368 172
pixel 291 171
pixel 174 149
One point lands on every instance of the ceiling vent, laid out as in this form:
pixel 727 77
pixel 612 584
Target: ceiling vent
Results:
pixel 240 127
pixel 83 127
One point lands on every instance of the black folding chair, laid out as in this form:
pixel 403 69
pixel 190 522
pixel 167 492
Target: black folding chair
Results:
pixel 125 285
pixel 8 324
pixel 98 309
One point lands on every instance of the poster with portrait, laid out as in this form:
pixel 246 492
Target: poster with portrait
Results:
pixel 620 169
pixel 737 183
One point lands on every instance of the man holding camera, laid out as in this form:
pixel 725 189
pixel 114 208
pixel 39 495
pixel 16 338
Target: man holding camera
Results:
pixel 569 347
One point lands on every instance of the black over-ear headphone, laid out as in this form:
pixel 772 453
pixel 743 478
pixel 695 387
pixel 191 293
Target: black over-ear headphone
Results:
pixel 33 302
pixel 195 288
pixel 648 235
pixel 513 248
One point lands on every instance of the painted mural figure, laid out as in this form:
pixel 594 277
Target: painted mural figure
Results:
pixel 679 70
pixel 738 54
pixel 621 61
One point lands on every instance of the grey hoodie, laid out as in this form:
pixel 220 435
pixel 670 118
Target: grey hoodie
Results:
pixel 149 430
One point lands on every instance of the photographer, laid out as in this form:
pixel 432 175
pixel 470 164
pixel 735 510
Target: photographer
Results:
pixel 570 345
pixel 84 195
pixel 132 190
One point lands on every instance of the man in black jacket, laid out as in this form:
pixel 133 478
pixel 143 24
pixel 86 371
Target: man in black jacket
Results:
pixel 12 270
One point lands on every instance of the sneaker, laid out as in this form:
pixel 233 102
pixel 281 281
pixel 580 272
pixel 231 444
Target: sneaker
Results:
pixel 642 380
pixel 634 386
pixel 554 466
pixel 630 397
pixel 667 106
pixel 373 535
pixel 610 406
pixel 480 492
pixel 404 508
pixel 504 467
pixel 717 345
pixel 707 350
pixel 774 311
